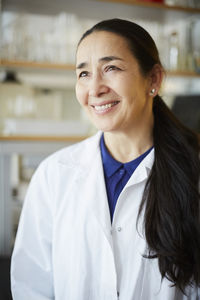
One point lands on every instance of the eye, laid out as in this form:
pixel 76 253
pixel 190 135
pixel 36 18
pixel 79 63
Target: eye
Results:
pixel 83 74
pixel 112 68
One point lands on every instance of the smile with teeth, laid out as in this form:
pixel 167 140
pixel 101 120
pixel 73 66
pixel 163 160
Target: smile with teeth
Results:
pixel 105 106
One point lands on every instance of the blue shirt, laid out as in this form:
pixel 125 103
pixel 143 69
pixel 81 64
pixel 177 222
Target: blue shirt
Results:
pixel 117 174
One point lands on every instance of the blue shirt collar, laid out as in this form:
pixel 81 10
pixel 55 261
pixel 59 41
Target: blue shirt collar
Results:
pixel 111 165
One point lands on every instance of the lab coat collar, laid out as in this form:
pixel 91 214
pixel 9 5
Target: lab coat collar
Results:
pixel 82 154
pixel 143 170
pixel 86 153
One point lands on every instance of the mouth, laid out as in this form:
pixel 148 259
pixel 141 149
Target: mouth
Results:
pixel 104 107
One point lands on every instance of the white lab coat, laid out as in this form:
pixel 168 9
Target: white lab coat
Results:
pixel 66 247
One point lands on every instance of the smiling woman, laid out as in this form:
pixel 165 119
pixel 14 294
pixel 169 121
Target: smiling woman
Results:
pixel 111 87
pixel 117 215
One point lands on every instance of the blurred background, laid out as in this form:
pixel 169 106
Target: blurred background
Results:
pixel 39 113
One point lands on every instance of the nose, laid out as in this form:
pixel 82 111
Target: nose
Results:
pixel 97 87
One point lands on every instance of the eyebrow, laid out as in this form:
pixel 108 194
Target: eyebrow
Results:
pixel 102 59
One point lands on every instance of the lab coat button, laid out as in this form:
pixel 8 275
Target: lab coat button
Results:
pixel 118 294
pixel 119 229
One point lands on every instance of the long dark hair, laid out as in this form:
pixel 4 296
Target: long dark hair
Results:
pixel 171 197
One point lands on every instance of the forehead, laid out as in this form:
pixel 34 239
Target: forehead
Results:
pixel 102 43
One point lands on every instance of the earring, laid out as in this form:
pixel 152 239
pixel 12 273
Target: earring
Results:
pixel 152 92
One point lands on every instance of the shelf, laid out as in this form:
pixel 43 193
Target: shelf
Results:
pixel 42 138
pixel 35 65
pixel 157 5
pixel 53 66
pixel 183 74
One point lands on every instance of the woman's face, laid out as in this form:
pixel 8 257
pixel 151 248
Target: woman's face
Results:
pixel 110 86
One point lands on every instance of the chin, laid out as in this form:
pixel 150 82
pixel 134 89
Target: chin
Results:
pixel 104 125
pixel 101 125
pixel 106 129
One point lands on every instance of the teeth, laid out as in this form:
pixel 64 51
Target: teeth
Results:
pixel 103 107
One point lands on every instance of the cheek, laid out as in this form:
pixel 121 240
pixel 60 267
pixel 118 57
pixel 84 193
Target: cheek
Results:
pixel 124 86
pixel 80 94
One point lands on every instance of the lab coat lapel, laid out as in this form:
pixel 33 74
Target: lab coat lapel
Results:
pixel 97 196
pixel 90 176
pixel 130 198
pixel 142 171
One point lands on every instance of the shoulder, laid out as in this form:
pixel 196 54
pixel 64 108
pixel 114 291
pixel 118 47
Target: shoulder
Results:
pixel 64 165
pixel 74 154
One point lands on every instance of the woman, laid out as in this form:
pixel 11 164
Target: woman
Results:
pixel 117 215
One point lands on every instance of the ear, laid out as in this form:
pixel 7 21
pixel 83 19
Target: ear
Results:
pixel 156 77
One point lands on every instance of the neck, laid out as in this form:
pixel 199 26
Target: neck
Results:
pixel 128 145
